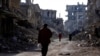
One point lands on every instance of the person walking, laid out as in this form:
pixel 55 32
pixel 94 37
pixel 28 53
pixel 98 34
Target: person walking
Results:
pixel 44 39
pixel 60 36
pixel 70 37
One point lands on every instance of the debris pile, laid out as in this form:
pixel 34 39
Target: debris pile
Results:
pixel 16 34
pixel 91 36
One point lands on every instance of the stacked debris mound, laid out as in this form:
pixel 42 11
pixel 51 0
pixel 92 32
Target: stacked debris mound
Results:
pixel 16 34
pixel 90 37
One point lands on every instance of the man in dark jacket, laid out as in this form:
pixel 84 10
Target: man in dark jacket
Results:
pixel 44 39
pixel 70 37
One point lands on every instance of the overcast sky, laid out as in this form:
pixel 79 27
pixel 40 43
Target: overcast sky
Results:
pixel 59 5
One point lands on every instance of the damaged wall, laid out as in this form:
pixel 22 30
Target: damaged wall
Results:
pixel 32 13
pixel 91 35
pixel 12 32
pixel 9 4
pixel 14 4
pixel 93 6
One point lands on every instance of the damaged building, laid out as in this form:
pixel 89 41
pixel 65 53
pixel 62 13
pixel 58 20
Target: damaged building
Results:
pixel 32 12
pixel 16 27
pixel 77 17
pixel 9 4
pixel 19 23
pixel 92 33
pixel 93 11
pixel 49 17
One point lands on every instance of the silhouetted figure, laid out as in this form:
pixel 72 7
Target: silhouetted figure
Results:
pixel 70 37
pixel 97 12
pixel 97 34
pixel 60 36
pixel 44 39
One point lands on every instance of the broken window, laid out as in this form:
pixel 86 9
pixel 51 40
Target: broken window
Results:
pixel 72 14
pixel 86 8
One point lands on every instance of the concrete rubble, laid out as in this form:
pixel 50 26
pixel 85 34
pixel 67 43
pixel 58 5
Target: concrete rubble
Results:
pixel 21 36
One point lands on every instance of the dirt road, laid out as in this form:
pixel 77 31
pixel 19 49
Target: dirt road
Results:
pixel 63 48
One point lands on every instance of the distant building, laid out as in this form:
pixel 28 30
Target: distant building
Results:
pixel 32 12
pixel 48 14
pixel 60 26
pixel 76 17
pixel 49 17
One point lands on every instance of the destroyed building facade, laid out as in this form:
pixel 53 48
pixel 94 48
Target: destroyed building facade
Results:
pixel 77 17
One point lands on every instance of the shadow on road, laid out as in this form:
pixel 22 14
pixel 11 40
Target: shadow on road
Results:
pixel 19 53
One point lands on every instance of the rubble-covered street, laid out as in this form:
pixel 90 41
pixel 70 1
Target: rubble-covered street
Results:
pixel 64 48
pixel 75 48
pixel 22 22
